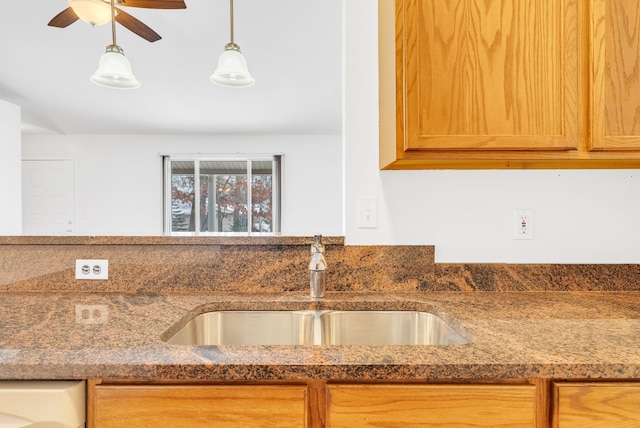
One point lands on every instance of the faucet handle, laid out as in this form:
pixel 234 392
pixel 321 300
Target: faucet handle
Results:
pixel 317 262
pixel 317 266
pixel 317 246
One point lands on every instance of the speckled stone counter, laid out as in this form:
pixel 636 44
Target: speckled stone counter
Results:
pixel 513 335
pixel 523 321
pixel 277 263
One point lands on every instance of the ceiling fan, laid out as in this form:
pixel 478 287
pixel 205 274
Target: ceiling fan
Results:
pixel 98 12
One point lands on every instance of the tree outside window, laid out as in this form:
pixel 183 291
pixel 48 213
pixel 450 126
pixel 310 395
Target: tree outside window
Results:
pixel 225 205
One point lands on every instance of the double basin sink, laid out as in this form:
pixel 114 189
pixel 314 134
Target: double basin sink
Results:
pixel 316 327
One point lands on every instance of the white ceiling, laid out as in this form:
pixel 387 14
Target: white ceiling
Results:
pixel 293 48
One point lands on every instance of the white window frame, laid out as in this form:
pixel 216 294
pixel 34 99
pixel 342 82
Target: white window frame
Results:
pixel 196 159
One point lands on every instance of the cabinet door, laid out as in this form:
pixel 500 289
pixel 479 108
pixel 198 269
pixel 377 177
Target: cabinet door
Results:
pixel 405 406
pixel 615 72
pixel 587 405
pixel 173 406
pixel 490 75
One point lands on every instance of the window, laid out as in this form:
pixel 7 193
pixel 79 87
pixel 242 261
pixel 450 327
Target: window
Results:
pixel 222 195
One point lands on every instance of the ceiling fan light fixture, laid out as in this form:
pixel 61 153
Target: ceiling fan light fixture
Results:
pixel 114 70
pixel 95 12
pixel 232 70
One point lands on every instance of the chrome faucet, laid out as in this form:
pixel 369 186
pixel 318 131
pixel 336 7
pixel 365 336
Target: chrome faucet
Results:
pixel 317 268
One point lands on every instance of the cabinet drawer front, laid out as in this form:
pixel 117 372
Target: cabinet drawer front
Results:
pixel 173 406
pixel 431 405
pixel 597 405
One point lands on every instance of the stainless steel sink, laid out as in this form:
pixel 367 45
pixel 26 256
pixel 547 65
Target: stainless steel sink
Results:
pixel 387 328
pixel 316 328
pixel 247 328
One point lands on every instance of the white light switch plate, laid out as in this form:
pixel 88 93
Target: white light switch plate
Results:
pixel 367 213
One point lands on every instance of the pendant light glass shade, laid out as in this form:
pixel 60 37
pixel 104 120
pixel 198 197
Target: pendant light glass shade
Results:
pixel 95 12
pixel 232 69
pixel 114 70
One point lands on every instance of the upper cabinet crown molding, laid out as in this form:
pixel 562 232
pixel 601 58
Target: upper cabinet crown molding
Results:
pixel 504 84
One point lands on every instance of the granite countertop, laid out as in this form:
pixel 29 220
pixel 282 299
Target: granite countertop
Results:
pixel 568 335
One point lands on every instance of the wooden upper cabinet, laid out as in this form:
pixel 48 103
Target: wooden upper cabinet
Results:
pixel 490 75
pixel 509 84
pixel 615 70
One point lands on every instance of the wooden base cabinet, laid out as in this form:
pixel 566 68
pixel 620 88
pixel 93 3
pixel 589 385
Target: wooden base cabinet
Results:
pixel 406 406
pixel 596 404
pixel 195 406
pixel 534 403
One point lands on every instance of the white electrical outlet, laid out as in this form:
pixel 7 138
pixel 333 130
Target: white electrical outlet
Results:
pixel 92 314
pixel 92 269
pixel 367 213
pixel 522 224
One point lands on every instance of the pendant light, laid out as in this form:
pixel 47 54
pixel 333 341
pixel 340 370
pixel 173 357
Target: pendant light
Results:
pixel 232 68
pixel 114 69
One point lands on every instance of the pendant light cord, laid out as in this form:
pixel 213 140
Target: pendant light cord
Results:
pixel 230 15
pixel 113 22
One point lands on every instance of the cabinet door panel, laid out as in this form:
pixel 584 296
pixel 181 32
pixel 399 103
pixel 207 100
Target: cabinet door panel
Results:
pixel 161 406
pixel 431 405
pixel 596 405
pixel 499 75
pixel 616 75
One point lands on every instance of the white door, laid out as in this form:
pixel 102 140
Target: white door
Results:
pixel 48 197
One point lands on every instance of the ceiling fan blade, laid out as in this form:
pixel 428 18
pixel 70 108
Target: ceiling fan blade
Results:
pixel 136 26
pixel 155 4
pixel 64 18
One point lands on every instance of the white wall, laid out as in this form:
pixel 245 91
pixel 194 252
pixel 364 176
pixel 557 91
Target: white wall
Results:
pixel 119 178
pixel 10 170
pixel 579 216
